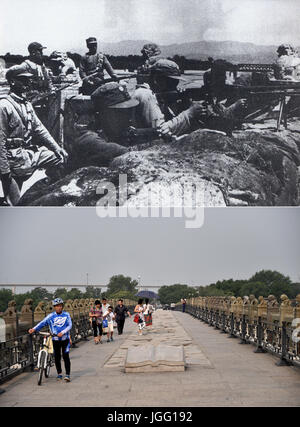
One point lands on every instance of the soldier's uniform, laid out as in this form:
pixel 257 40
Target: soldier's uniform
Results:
pixel 25 144
pixel 65 66
pixel 91 64
pixel 203 115
pixel 287 66
pixel 148 113
pixel 155 107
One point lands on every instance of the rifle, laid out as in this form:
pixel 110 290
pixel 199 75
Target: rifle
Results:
pixel 69 85
pixel 141 136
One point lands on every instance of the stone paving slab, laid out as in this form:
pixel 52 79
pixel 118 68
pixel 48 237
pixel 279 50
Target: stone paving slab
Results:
pixel 151 358
pixel 166 331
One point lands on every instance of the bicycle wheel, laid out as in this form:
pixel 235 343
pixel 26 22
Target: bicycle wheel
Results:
pixel 49 364
pixel 41 369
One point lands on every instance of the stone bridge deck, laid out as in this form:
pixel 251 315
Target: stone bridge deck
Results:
pixel 219 372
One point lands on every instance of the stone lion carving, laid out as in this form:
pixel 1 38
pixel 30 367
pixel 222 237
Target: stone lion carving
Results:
pixel 27 306
pixel 11 309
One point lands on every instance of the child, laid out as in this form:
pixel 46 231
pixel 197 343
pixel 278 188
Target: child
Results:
pixel 110 316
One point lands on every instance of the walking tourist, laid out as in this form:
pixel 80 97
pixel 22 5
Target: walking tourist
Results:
pixel 148 309
pixel 60 324
pixel 110 317
pixel 96 320
pixel 120 312
pixel 139 317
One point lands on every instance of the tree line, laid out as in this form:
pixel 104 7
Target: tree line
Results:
pixel 265 282
pixel 262 283
pixel 119 286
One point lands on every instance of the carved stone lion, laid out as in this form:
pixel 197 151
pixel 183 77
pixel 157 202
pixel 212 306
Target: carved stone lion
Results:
pixel 27 306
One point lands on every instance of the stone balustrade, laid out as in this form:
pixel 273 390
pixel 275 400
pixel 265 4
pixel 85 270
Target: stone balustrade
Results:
pixel 268 309
pixel 17 323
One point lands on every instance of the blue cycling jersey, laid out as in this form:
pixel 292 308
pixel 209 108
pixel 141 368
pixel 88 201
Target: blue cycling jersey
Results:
pixel 57 323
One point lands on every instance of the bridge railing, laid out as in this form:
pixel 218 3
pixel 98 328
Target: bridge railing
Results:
pixel 19 350
pixel 270 326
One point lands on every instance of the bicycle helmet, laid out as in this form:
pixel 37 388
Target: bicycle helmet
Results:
pixel 57 301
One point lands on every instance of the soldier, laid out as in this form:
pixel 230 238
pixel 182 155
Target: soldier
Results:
pixel 92 68
pixel 63 66
pixel 116 110
pixel 163 101
pixel 34 65
pixel 25 144
pixel 287 66
pixel 206 115
pixel 151 53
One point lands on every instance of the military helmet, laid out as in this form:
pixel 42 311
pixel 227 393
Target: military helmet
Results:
pixel 151 49
pixel 35 46
pixel 113 95
pixel 91 40
pixel 283 48
pixel 57 301
pixel 57 56
pixel 167 68
pixel 15 74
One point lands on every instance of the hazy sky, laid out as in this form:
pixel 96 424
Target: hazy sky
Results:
pixel 61 245
pixel 65 24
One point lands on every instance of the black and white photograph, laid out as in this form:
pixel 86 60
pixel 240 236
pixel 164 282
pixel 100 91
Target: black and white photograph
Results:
pixel 149 206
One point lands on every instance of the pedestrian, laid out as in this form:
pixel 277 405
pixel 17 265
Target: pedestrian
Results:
pixel 148 309
pixel 104 306
pixel 139 317
pixel 60 324
pixel 96 321
pixel 183 301
pixel 120 312
pixel 110 317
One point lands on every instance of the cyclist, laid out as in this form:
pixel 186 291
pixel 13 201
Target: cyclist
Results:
pixel 60 324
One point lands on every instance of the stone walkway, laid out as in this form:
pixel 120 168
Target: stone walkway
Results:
pixel 229 374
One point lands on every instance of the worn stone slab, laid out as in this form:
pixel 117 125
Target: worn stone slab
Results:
pixel 150 358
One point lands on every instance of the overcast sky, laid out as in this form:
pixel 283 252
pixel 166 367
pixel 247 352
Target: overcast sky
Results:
pixel 65 24
pixel 61 245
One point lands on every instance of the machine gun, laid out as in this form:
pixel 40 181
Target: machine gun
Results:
pixel 276 91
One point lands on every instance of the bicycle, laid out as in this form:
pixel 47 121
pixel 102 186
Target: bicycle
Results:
pixel 45 358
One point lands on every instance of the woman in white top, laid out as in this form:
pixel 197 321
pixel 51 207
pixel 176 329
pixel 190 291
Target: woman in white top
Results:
pixel 148 309
pixel 139 309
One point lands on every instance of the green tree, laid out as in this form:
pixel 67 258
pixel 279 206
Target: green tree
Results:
pixel 255 288
pixel 174 293
pixel 92 292
pixel 121 283
pixel 6 295
pixel 276 283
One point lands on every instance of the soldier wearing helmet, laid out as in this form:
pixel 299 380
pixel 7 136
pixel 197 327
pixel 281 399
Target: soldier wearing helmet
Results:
pixel 92 67
pixel 63 66
pixel 41 80
pixel 60 325
pixel 151 53
pixel 161 99
pixel 287 66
